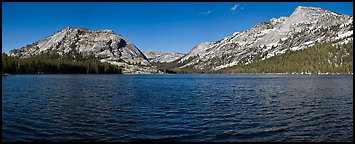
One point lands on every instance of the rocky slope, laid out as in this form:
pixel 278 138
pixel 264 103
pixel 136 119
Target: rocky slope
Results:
pixel 305 27
pixel 105 45
pixel 162 57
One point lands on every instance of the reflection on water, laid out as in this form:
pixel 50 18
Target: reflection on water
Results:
pixel 177 108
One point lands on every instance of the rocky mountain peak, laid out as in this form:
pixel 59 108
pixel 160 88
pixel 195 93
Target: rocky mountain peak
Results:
pixel 305 27
pixel 68 27
pixel 162 57
pixel 105 45
pixel 311 14
pixel 105 31
pixel 280 20
pixel 306 8
pixel 310 11
pixel 305 14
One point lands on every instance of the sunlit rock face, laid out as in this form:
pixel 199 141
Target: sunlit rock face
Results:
pixel 105 45
pixel 305 27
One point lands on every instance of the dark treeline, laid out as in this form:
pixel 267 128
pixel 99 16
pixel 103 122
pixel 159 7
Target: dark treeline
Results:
pixel 52 63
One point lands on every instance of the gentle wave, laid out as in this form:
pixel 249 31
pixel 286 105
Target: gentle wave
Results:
pixel 192 108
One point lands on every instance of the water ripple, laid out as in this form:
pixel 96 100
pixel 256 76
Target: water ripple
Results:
pixel 184 108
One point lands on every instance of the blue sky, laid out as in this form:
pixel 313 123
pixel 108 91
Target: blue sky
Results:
pixel 162 26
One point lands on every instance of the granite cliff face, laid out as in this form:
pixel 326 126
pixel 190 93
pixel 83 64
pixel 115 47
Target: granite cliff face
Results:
pixel 105 45
pixel 162 57
pixel 305 27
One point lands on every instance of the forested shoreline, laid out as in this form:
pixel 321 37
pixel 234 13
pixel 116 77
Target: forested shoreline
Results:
pixel 318 59
pixel 52 63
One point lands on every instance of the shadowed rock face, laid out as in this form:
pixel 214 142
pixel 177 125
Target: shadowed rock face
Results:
pixel 305 27
pixel 103 44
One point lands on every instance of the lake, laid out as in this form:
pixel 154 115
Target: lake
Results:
pixel 177 107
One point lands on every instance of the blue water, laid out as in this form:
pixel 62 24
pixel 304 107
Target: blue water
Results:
pixel 201 107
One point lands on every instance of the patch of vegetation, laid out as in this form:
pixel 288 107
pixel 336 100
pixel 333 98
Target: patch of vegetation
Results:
pixel 319 58
pixel 53 63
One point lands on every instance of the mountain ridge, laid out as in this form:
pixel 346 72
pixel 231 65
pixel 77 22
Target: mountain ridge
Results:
pixel 305 27
pixel 103 44
pixel 162 57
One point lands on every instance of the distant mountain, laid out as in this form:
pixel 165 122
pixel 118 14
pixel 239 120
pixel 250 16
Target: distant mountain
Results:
pixel 306 27
pixel 104 45
pixel 162 57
